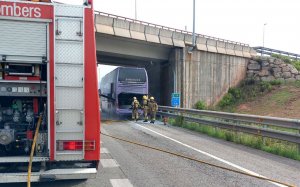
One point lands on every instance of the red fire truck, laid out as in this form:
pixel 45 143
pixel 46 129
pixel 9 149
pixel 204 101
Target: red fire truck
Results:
pixel 48 89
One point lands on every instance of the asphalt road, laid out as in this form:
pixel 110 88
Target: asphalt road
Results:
pixel 137 166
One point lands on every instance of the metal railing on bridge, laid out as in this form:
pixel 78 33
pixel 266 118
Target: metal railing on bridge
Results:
pixel 269 51
pixel 264 126
pixel 167 28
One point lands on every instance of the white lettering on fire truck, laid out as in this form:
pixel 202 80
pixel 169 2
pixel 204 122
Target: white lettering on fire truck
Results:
pixel 17 11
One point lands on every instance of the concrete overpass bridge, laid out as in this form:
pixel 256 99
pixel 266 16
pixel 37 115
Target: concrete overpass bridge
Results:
pixel 205 74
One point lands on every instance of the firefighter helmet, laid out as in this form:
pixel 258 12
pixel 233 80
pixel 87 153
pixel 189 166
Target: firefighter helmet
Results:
pixel 151 98
pixel 145 97
pixel 134 98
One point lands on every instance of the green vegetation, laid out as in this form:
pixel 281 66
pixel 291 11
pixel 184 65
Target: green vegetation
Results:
pixel 277 147
pixel 276 82
pixel 200 105
pixel 296 83
pixel 281 97
pixel 233 96
pixel 265 86
pixel 248 90
pixel 296 64
pixel 288 60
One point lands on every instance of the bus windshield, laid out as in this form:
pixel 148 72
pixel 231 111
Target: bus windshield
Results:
pixel 133 75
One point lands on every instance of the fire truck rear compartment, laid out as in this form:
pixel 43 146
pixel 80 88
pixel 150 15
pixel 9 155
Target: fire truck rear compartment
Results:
pixel 23 87
pixel 42 54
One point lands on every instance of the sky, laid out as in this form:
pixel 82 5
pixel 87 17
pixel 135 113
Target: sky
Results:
pixel 236 20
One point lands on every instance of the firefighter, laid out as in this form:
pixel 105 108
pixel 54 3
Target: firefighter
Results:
pixel 145 108
pixel 135 106
pixel 153 107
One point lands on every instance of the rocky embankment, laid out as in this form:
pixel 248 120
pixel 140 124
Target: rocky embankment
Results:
pixel 268 69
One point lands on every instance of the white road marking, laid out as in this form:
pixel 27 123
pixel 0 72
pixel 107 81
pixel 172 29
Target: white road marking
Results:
pixel 207 154
pixel 103 150
pixel 109 163
pixel 120 183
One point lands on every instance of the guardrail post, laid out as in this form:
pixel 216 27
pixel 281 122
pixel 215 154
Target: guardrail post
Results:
pixel 299 146
pixel 264 138
pixel 237 134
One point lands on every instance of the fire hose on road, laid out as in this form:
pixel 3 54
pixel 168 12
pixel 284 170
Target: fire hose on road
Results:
pixel 199 161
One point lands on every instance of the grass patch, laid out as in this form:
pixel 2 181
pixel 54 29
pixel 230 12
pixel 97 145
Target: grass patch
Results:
pixel 276 82
pixel 250 89
pixel 247 91
pixel 283 129
pixel 278 147
pixel 281 97
pixel 296 83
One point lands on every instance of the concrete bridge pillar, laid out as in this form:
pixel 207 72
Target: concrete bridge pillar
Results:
pixel 171 75
pixel 206 76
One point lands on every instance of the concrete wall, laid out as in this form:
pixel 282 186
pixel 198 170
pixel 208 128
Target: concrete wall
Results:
pixel 208 76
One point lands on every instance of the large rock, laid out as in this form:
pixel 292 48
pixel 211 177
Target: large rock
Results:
pixel 286 68
pixel 277 74
pixel 290 80
pixel 269 78
pixel 265 68
pixel 294 71
pixel 278 62
pixel 265 64
pixel 286 75
pixel 264 72
pixel 252 62
pixel 254 66
pixel 290 65
pixel 276 70
pixel 282 65
pixel 298 77
pixel 271 60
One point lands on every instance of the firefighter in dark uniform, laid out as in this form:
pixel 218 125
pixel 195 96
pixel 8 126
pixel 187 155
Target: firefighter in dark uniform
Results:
pixel 153 107
pixel 135 106
pixel 145 108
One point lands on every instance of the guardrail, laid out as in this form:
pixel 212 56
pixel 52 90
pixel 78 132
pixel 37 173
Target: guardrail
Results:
pixel 238 122
pixel 167 28
pixel 269 51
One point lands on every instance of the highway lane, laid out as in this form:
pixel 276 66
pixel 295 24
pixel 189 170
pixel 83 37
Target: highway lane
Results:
pixel 140 164
pixel 143 167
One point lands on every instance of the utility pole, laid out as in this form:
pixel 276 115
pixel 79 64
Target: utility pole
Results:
pixel 135 10
pixel 194 37
pixel 190 49
pixel 263 38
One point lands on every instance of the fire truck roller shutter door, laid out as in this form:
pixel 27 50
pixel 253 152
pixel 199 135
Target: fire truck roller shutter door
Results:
pixel 24 41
